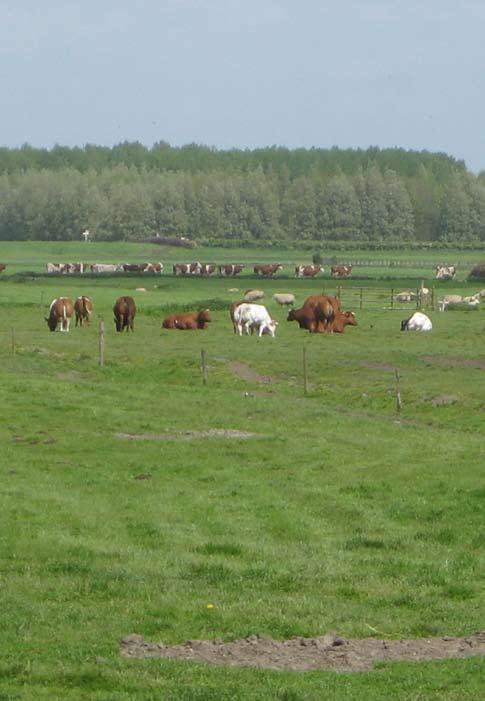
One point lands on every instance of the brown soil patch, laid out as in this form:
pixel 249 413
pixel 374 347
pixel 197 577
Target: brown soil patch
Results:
pixel 246 373
pixel 445 399
pixel 454 361
pixel 230 433
pixel 379 366
pixel 329 652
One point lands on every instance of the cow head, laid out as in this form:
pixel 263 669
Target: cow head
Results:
pixel 404 324
pixel 204 316
pixel 350 318
pixel 51 322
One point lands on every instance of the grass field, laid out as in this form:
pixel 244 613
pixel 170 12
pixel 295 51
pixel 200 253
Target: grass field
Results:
pixel 337 515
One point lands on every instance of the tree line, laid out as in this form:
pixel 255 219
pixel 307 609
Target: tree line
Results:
pixel 264 196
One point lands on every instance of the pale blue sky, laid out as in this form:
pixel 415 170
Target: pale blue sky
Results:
pixel 244 74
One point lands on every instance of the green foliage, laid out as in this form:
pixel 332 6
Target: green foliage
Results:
pixel 264 196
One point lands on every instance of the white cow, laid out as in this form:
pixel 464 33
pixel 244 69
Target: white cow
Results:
pixel 106 268
pixel 254 316
pixel 417 322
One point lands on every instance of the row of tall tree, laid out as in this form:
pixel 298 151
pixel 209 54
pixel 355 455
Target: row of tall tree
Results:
pixel 130 192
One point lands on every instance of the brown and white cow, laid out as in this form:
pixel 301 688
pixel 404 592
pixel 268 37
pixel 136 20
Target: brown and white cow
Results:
pixel 134 267
pixel 308 270
pixel 207 269
pixel 60 312
pixel 187 321
pixel 83 308
pixel 106 268
pixel 73 268
pixel 187 268
pixel 153 268
pixel 341 270
pixel 267 270
pixel 232 269
pixel 54 267
pixel 445 272
pixel 124 312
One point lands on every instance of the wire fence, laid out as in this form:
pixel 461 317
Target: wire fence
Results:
pixel 387 298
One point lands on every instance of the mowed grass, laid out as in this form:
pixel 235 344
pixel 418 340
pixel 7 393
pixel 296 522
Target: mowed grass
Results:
pixel 337 515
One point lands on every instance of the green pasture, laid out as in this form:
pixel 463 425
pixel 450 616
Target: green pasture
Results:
pixel 337 514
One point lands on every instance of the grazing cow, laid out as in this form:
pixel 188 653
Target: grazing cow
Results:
pixel 445 272
pixel 417 322
pixel 253 295
pixel 254 316
pixel 187 268
pixel 187 321
pixel 340 321
pixel 106 268
pixel 124 312
pixel 76 268
pixel 134 267
pixel 2 267
pixel 207 269
pixel 308 270
pixel 267 270
pixel 341 270
pixel 284 298
pixel 60 312
pixel 83 308
pixel 227 270
pixel 54 267
pixel 153 268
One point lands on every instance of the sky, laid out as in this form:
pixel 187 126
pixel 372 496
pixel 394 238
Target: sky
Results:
pixel 245 74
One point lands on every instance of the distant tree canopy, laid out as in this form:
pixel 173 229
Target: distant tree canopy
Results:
pixel 130 192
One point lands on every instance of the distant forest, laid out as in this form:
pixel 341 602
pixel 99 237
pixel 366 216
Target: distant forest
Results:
pixel 264 196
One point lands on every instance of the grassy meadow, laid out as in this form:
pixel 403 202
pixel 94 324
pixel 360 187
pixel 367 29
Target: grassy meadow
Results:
pixel 337 514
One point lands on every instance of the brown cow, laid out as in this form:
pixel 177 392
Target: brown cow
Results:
pixel 60 312
pixel 187 321
pixel 308 270
pixel 340 321
pixel 124 312
pixel 317 314
pixel 227 270
pixel 267 270
pixel 2 267
pixel 83 308
pixel 134 267
pixel 187 268
pixel 341 270
pixel 305 316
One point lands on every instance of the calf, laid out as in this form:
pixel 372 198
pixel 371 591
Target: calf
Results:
pixel 60 312
pixel 83 308
pixel 340 321
pixel 187 321
pixel 254 316
pixel 124 312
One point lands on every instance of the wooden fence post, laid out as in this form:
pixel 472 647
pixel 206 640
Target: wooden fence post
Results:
pixel 398 393
pixel 305 375
pixel 360 299
pixel 13 341
pixel 203 366
pixel 392 297
pixel 101 342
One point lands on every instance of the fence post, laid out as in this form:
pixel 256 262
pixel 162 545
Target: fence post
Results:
pixel 398 393
pixel 13 341
pixel 305 386
pixel 101 342
pixel 432 299
pixel 203 366
pixel 360 300
pixel 392 297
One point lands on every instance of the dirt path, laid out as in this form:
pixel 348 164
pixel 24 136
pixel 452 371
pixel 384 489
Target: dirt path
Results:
pixel 329 652
pixel 246 373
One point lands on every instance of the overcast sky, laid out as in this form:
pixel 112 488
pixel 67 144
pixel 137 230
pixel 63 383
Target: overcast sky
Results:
pixel 245 73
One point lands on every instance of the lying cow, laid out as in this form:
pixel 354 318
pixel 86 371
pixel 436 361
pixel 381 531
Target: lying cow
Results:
pixel 124 312
pixel 417 322
pixel 83 307
pixel 187 321
pixel 60 312
pixel 254 316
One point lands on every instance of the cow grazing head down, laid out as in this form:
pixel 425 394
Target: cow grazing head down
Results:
pixel 60 312
pixel 124 312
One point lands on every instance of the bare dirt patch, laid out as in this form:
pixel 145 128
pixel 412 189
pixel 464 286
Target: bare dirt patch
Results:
pixel 230 433
pixel 329 652
pixel 379 366
pixel 454 361
pixel 247 373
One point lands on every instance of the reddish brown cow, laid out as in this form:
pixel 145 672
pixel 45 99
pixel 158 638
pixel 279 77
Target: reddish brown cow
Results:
pixel 267 270
pixel 341 270
pixel 317 314
pixel 187 321
pixel 124 312
pixel 305 318
pixel 83 308
pixel 340 321
pixel 2 267
pixel 207 269
pixel 307 270
pixel 134 267
pixel 60 312
pixel 230 269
